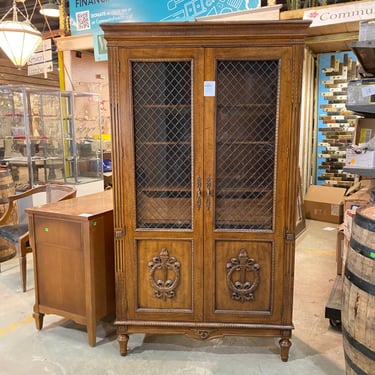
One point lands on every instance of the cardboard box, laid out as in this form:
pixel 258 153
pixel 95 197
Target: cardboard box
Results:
pixel 356 100
pixel 365 159
pixel 367 183
pixel 324 203
pixel 358 199
pixel 364 130
pixel 366 30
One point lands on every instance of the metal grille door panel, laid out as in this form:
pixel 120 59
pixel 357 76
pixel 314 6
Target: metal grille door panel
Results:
pixel 162 103
pixel 246 123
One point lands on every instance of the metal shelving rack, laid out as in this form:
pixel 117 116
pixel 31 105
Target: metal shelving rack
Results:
pixel 365 53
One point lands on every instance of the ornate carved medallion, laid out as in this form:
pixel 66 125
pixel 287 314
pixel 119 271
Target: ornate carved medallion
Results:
pixel 164 275
pixel 246 271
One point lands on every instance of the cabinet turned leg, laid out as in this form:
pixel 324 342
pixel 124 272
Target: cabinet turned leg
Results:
pixel 123 342
pixel 38 320
pixel 285 344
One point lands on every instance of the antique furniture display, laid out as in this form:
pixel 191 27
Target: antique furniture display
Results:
pixel 72 244
pixel 205 127
pixel 14 231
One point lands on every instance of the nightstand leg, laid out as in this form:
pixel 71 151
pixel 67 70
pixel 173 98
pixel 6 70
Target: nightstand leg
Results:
pixel 91 333
pixel 38 317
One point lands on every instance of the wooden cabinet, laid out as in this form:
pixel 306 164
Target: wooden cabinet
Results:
pixel 72 243
pixel 205 123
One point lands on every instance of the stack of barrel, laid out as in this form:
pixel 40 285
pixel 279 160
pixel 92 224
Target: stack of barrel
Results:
pixel 358 308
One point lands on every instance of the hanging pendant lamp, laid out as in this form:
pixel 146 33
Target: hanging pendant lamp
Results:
pixel 18 39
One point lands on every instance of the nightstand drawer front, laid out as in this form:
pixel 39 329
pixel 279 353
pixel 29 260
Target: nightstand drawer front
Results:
pixel 58 232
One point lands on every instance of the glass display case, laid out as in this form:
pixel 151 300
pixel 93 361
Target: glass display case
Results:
pixel 47 135
pixel 31 143
pixel 83 157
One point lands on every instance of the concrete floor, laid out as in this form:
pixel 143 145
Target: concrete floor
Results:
pixel 61 347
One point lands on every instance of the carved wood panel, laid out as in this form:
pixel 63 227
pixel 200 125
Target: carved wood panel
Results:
pixel 163 277
pixel 243 274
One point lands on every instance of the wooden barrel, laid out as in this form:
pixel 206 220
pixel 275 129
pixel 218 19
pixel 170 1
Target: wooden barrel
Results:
pixel 358 306
pixel 6 253
pixel 6 188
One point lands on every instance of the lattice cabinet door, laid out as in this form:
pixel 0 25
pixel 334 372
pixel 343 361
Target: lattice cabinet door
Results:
pixel 164 135
pixel 246 174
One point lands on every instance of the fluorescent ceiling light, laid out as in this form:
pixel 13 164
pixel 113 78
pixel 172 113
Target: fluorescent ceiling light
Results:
pixel 50 10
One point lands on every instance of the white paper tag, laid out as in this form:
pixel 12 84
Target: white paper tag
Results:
pixel 209 88
pixel 368 90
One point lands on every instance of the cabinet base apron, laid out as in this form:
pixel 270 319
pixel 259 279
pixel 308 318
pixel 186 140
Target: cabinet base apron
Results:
pixel 205 332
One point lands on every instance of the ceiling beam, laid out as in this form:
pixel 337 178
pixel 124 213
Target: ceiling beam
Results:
pixel 332 38
pixel 75 42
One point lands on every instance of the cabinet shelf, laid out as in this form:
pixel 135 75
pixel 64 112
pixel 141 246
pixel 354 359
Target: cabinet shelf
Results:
pixel 157 189
pixel 245 143
pixel 25 160
pixel 245 105
pixel 84 159
pixel 167 193
pixel 45 116
pixel 366 172
pixel 167 143
pixel 221 143
pixel 86 120
pixel 365 52
pixel 12 115
pixel 166 106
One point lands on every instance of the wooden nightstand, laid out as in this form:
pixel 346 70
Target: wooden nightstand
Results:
pixel 72 243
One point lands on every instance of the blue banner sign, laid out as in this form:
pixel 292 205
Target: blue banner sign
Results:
pixel 87 15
